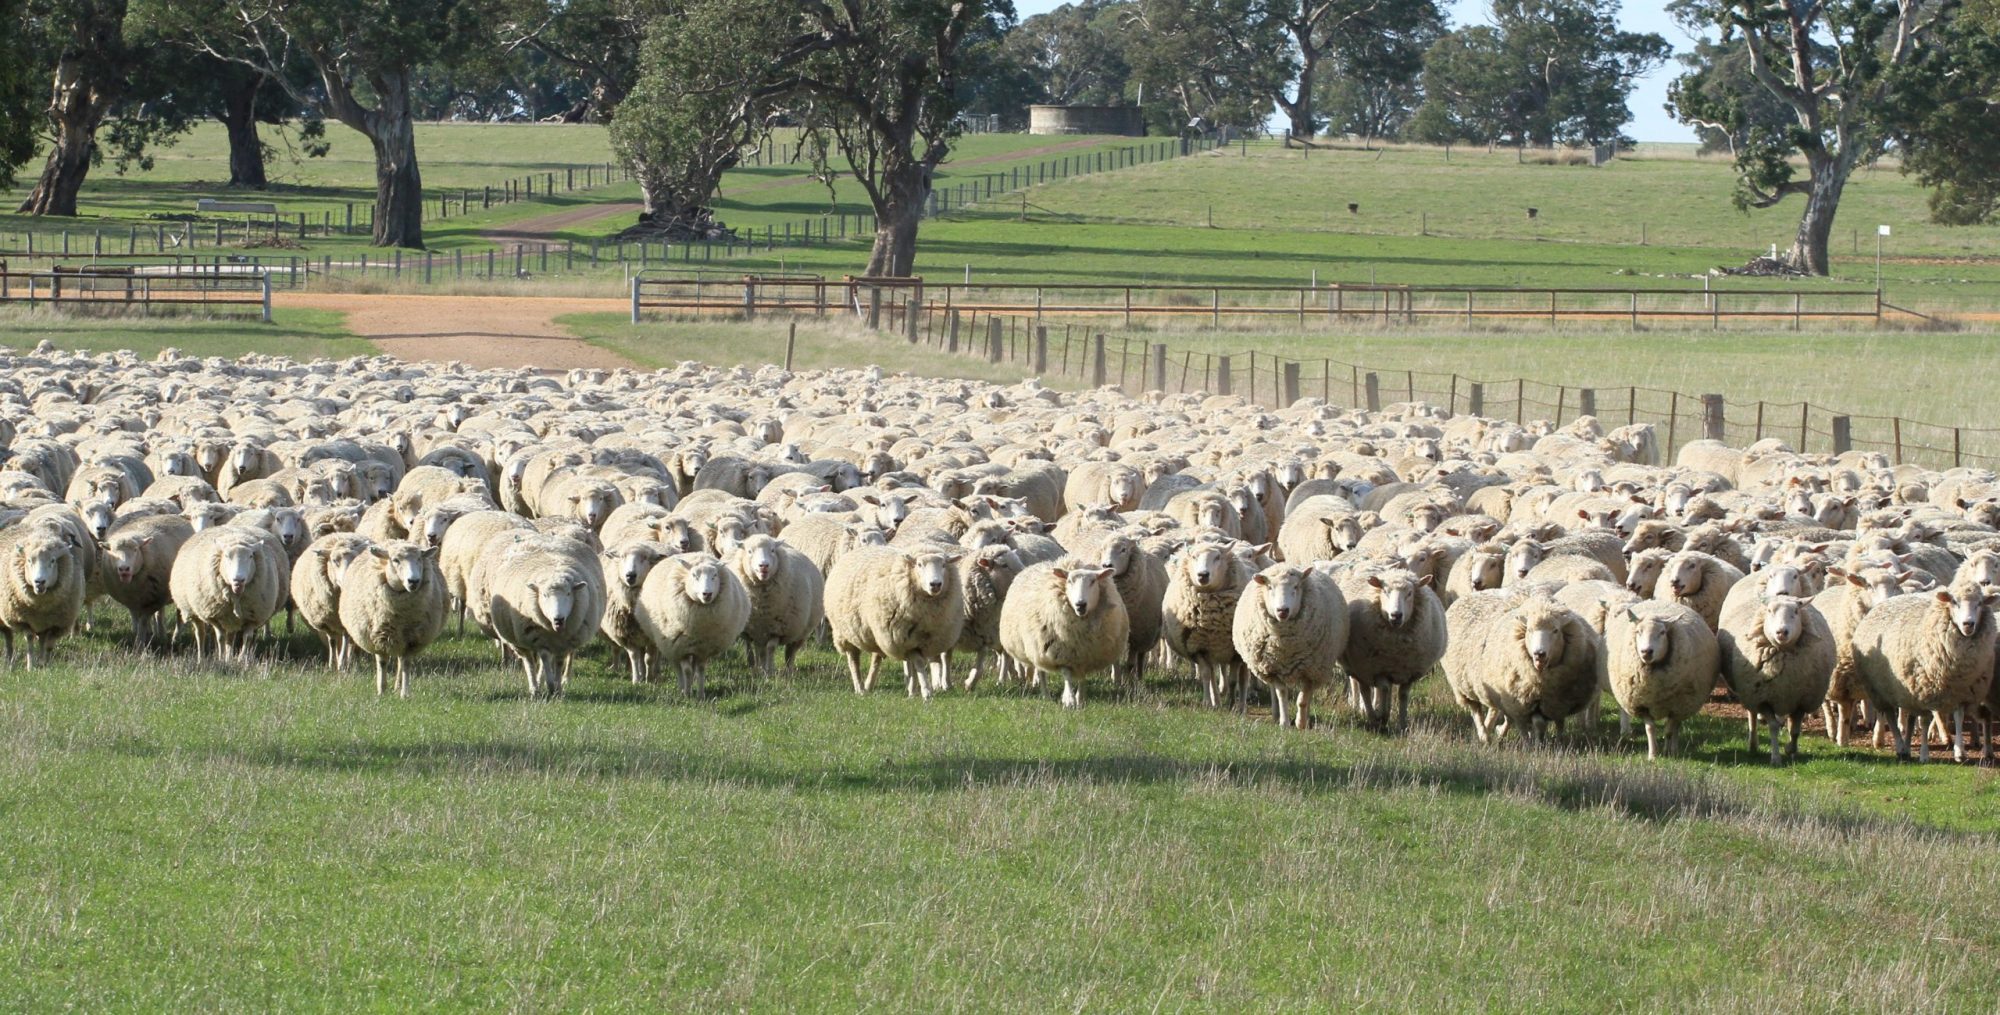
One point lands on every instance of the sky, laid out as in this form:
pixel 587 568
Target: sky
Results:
pixel 1650 122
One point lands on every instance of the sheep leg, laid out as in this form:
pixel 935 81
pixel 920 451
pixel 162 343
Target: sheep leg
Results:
pixel 700 678
pixel 1673 736
pixel 1652 748
pixel 874 669
pixel 1201 673
pixel 1302 708
pixel 1753 732
pixel 1402 706
pixel 632 660
pixel 378 676
pixel 1834 714
pixel 1958 733
pixel 1072 696
pixel 1920 726
pixel 791 662
pixel 1279 709
pixel 853 657
pixel 687 678
pixel 1777 730
pixel 915 679
pixel 1798 727
pixel 534 686
pixel 978 667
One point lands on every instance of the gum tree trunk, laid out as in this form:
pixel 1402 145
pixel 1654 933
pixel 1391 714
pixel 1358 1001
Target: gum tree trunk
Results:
pixel 1828 178
pixel 75 111
pixel 399 188
pixel 898 209
pixel 239 118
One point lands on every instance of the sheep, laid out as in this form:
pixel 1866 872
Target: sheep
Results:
pixel 823 538
pixel 1515 660
pixel 392 605
pixel 1660 662
pixel 1065 616
pixel 464 543
pixel 1142 586
pixel 228 582
pixel 1924 654
pixel 1198 613
pixel 894 603
pixel 1476 570
pixel 1290 629
pixel 1697 580
pixel 1778 656
pixel 315 587
pixel 1113 483
pixel 984 576
pixel 545 594
pixel 692 609
pixel 1603 547
pixel 625 570
pixel 1567 569
pixel 1844 601
pixel 786 592
pixel 137 560
pixel 42 590
pixel 1395 634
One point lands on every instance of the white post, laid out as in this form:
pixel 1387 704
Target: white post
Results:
pixel 635 301
pixel 267 297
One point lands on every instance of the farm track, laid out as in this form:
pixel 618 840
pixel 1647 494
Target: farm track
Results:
pixel 479 331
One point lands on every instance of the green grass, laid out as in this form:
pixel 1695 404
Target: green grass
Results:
pixel 300 334
pixel 277 837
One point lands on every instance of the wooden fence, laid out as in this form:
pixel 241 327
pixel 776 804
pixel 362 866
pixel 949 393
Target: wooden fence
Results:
pixel 143 291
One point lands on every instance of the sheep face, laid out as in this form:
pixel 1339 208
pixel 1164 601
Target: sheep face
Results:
pixel 677 534
pixel 40 561
pixel 1284 591
pixel 1684 575
pixel 177 463
pixel 1396 595
pixel 1786 580
pixel 1083 587
pixel 211 455
pixel 1967 607
pixel 1982 568
pixel 515 473
pixel 403 567
pixel 760 558
pixel 931 573
pixel 1764 553
pixel 730 532
pixel 1427 517
pixel 289 525
pixel 875 465
pixel 431 526
pixel 1784 620
pixel 1644 573
pixel 864 534
pixel 1127 485
pixel 1588 481
pixel 204 516
pixel 126 555
pixel 1488 569
pixel 891 512
pixel 1541 639
pixel 97 517
pixel 556 601
pixel 237 565
pixel 1117 554
pixel 1523 556
pixel 1344 531
pixel 998 560
pixel 1652 638
pixel 1627 521
pixel 1289 474
pixel 703 582
pixel 244 457
pixel 690 460
pixel 1211 514
pixel 1208 565
pixel 592 505
pixel 632 565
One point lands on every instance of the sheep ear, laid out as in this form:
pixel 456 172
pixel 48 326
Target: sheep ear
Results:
pixel 1944 596
pixel 1261 579
pixel 1425 581
pixel 983 563
pixel 1374 581
pixel 1329 522
pixel 577 586
pixel 378 553
pixel 1103 574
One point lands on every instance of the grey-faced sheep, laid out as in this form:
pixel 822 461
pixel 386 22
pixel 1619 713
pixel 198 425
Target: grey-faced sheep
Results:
pixel 1395 634
pixel 786 593
pixel 392 606
pixel 898 604
pixel 1660 662
pixel 1515 661
pixel 1778 656
pixel 1928 653
pixel 137 561
pixel 1064 616
pixel 1289 630
pixel 227 583
pixel 693 609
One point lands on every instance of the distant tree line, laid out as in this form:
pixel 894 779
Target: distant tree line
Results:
pixel 878 89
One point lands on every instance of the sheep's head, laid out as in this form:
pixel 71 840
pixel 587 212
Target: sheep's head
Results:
pixel 632 564
pixel 1983 568
pixel 515 471
pixel 678 534
pixel 1397 594
pixel 702 582
pixel 207 515
pixel 1118 553
pixel 289 525
pixel 404 565
pixel 1523 556
pixel 1284 590
pixel 98 516
pixel 177 463
pixel 758 558
pixel 1543 636
pixel 1486 566
pixel 1968 606
pixel 1213 513
pixel 1784 620
pixel 998 560
pixel 730 532
pixel 1208 565
pixel 244 457
pixel 1083 586
pixel 556 599
pixel 1652 637
pixel 931 572
pixel 1684 573
pixel 592 504
pixel 1343 531
pixel 865 534
pixel 40 559
pixel 126 554
pixel 1126 485
pixel 237 564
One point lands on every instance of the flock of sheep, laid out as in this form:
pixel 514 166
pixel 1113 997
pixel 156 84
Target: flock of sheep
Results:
pixel 1025 533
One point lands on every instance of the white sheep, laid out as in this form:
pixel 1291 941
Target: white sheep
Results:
pixel 984 575
pixel 1699 581
pixel 1064 616
pixel 1142 586
pixel 392 606
pixel 545 595
pixel 786 593
pixel 1928 653
pixel 692 609
pixel 1660 662
pixel 888 602
pixel 625 571
pixel 1778 656
pixel 1198 613
pixel 1519 661
pixel 316 589
pixel 1395 634
pixel 1289 630
pixel 1847 598
pixel 227 583
pixel 137 561
pixel 465 543
pixel 42 589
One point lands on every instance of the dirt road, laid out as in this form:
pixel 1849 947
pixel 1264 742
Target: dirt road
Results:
pixel 479 331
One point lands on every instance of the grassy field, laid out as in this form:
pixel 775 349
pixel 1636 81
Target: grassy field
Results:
pixel 300 334
pixel 277 837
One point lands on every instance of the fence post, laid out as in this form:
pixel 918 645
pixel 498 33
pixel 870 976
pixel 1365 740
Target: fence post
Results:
pixel 951 331
pixel 1372 386
pixel 1896 429
pixel 875 308
pixel 635 300
pixel 267 312
pixel 1040 362
pixel 1586 401
pixel 1843 435
pixel 1673 422
pixel 1711 417
pixel 1475 399
pixel 993 340
pixel 1097 361
pixel 1222 375
pixel 1291 382
pixel 1158 374
pixel 791 341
